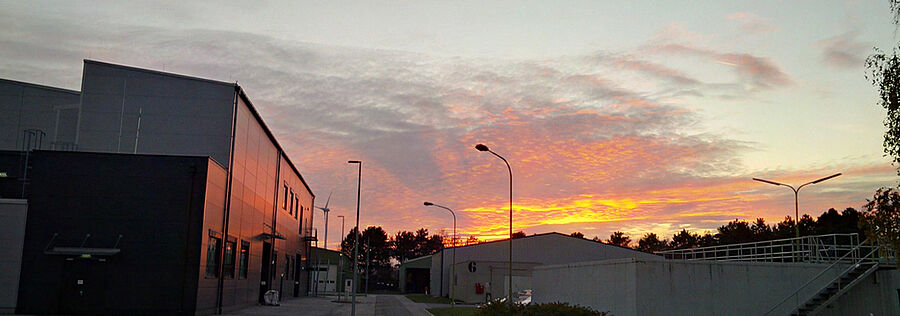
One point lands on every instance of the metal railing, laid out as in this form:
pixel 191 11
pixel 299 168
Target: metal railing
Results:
pixel 870 255
pixel 812 249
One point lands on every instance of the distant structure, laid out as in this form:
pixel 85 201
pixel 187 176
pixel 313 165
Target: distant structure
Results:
pixel 481 269
pixel 834 274
pixel 147 192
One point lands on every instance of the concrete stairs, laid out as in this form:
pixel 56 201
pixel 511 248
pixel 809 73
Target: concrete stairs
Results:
pixel 838 287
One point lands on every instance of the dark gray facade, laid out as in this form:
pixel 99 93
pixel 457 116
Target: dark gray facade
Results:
pixel 149 210
pixel 26 106
pixel 12 233
pixel 256 207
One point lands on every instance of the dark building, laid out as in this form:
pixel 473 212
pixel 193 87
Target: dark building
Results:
pixel 171 196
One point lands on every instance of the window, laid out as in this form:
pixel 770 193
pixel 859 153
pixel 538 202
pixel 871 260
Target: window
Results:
pixel 296 205
pixel 284 202
pixel 245 260
pixel 230 248
pixel 291 209
pixel 212 254
pixel 301 220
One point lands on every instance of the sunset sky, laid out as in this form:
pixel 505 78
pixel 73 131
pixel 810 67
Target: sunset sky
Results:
pixel 632 116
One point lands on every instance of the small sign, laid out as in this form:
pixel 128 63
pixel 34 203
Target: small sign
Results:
pixel 80 282
pixel 472 267
pixel 85 256
pixel 3 175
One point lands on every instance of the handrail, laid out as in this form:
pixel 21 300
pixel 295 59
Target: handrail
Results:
pixel 816 248
pixel 796 293
pixel 759 242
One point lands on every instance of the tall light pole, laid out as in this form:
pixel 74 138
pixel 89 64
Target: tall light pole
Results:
pixel 367 266
pixel 797 196
pixel 453 261
pixel 356 244
pixel 341 260
pixel 482 147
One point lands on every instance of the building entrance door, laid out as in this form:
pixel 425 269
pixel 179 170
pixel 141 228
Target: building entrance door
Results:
pixel 84 287
pixel 265 271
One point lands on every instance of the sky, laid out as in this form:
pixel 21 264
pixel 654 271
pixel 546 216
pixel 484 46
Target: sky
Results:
pixel 614 116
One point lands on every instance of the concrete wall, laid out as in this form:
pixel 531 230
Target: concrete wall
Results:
pixel 493 275
pixel 30 106
pixel 545 249
pixel 12 235
pixel 875 295
pixel 637 287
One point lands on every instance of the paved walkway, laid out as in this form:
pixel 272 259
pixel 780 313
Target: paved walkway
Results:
pixel 373 305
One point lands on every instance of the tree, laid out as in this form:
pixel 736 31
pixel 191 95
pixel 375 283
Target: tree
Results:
pixel 707 240
pixel 735 232
pixel 881 219
pixel 577 234
pixel 760 230
pixel 518 234
pixel 784 229
pixel 651 243
pixel 374 243
pixel 472 240
pixel 404 243
pixel 685 240
pixel 884 73
pixel 619 239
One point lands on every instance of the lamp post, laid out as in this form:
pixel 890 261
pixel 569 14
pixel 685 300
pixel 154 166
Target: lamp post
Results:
pixel 341 260
pixel 356 243
pixel 797 196
pixel 482 147
pixel 453 261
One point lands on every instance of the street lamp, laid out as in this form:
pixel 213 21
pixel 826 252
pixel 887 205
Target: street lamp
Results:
pixel 797 196
pixel 453 261
pixel 341 260
pixel 356 244
pixel 482 147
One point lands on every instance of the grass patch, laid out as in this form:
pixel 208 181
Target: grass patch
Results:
pixel 422 298
pixel 455 311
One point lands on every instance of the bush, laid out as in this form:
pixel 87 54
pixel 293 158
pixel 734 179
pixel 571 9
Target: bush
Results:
pixel 498 308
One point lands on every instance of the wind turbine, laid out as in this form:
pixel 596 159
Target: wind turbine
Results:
pixel 326 210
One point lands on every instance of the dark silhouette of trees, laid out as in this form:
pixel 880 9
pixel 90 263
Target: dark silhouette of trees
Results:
pixel 881 219
pixel 404 244
pixel 651 243
pixel 619 239
pixel 472 240
pixel 577 234
pixel 735 232
pixel 518 234
pixel 761 231
pixel 685 240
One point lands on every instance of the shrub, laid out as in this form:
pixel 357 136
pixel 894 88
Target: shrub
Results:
pixel 498 308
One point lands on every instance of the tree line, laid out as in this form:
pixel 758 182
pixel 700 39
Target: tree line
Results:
pixel 739 231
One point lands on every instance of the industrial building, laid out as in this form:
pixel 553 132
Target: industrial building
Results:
pixel 481 271
pixel 415 275
pixel 149 193
pixel 329 269
pixel 834 274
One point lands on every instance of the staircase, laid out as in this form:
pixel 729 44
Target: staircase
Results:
pixel 851 268
pixel 837 288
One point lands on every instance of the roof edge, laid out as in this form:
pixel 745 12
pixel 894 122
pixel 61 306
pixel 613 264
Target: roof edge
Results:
pixel 40 86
